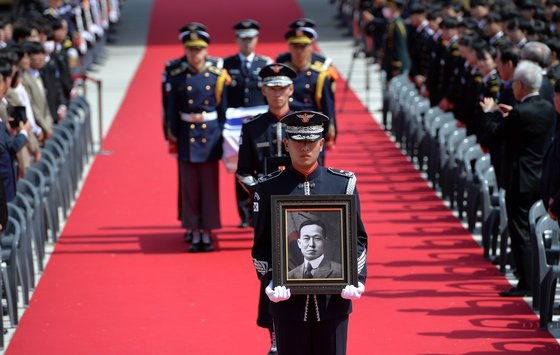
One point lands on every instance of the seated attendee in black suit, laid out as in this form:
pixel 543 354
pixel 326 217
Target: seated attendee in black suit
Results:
pixel 526 131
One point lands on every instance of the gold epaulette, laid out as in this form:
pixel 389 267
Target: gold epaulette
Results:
pixel 478 79
pixel 317 66
pixel 214 70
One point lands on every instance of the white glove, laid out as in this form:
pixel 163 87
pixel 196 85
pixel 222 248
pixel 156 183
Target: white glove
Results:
pixel 351 292
pixel 278 294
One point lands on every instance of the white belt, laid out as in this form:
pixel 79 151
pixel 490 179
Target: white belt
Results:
pixel 199 117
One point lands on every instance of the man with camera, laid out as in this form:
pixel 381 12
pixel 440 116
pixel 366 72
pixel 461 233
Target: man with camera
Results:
pixel 12 138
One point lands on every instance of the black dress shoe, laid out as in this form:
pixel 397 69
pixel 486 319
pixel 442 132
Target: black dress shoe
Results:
pixel 206 247
pixel 515 292
pixel 196 247
pixel 188 236
pixel 243 224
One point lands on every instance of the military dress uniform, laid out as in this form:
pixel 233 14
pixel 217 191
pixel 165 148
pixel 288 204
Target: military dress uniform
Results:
pixel 244 92
pixel 314 85
pixel 324 316
pixel 261 150
pixel 172 68
pixel 196 112
pixel 397 58
pixel 450 65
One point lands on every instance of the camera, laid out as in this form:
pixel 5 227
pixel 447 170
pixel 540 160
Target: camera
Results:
pixel 16 115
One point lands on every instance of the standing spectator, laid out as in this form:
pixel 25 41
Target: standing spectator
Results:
pixel 397 58
pixel 539 53
pixel 526 131
pixel 9 145
pixel 550 178
pixel 32 63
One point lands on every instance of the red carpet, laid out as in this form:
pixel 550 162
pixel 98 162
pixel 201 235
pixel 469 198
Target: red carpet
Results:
pixel 121 282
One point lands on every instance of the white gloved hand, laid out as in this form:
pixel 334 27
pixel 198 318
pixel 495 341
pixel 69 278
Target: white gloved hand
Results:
pixel 351 292
pixel 278 294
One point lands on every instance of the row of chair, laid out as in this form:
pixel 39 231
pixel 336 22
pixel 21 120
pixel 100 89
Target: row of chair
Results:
pixel 43 202
pixel 462 172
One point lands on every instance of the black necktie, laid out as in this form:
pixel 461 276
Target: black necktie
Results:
pixel 244 68
pixel 307 274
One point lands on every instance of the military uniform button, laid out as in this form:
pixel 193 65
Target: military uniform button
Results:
pixel 246 100
pixel 207 87
pixel 203 112
pixel 306 100
pixel 191 101
pixel 206 102
pixel 204 125
pixel 206 75
pixel 308 73
pixel 189 75
pixel 291 99
pixel 246 90
pixel 189 88
pixel 203 140
pixel 307 86
pixel 193 140
pixel 193 125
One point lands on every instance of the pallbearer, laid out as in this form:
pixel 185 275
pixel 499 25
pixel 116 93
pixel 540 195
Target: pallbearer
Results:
pixel 314 85
pixel 245 100
pixel 171 68
pixel 305 324
pixel 262 150
pixel 196 111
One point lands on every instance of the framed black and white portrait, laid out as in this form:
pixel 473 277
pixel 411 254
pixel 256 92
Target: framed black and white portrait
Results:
pixel 314 243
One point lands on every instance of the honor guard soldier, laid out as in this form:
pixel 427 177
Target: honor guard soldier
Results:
pixel 316 58
pixel 305 324
pixel 314 85
pixel 397 59
pixel 244 99
pixel 196 112
pixel 174 66
pixel 262 150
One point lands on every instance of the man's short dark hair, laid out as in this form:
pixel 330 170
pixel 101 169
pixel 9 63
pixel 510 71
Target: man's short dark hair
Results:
pixel 509 54
pixel 311 222
pixel 5 68
pixel 33 48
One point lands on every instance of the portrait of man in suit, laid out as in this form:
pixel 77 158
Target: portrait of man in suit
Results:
pixel 313 243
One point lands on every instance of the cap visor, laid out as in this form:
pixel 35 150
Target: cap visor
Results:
pixel 250 33
pixel 304 137
pixel 195 43
pixel 280 82
pixel 300 40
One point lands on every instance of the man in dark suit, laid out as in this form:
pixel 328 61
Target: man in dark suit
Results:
pixel 550 178
pixel 539 53
pixel 526 131
pixel 312 242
